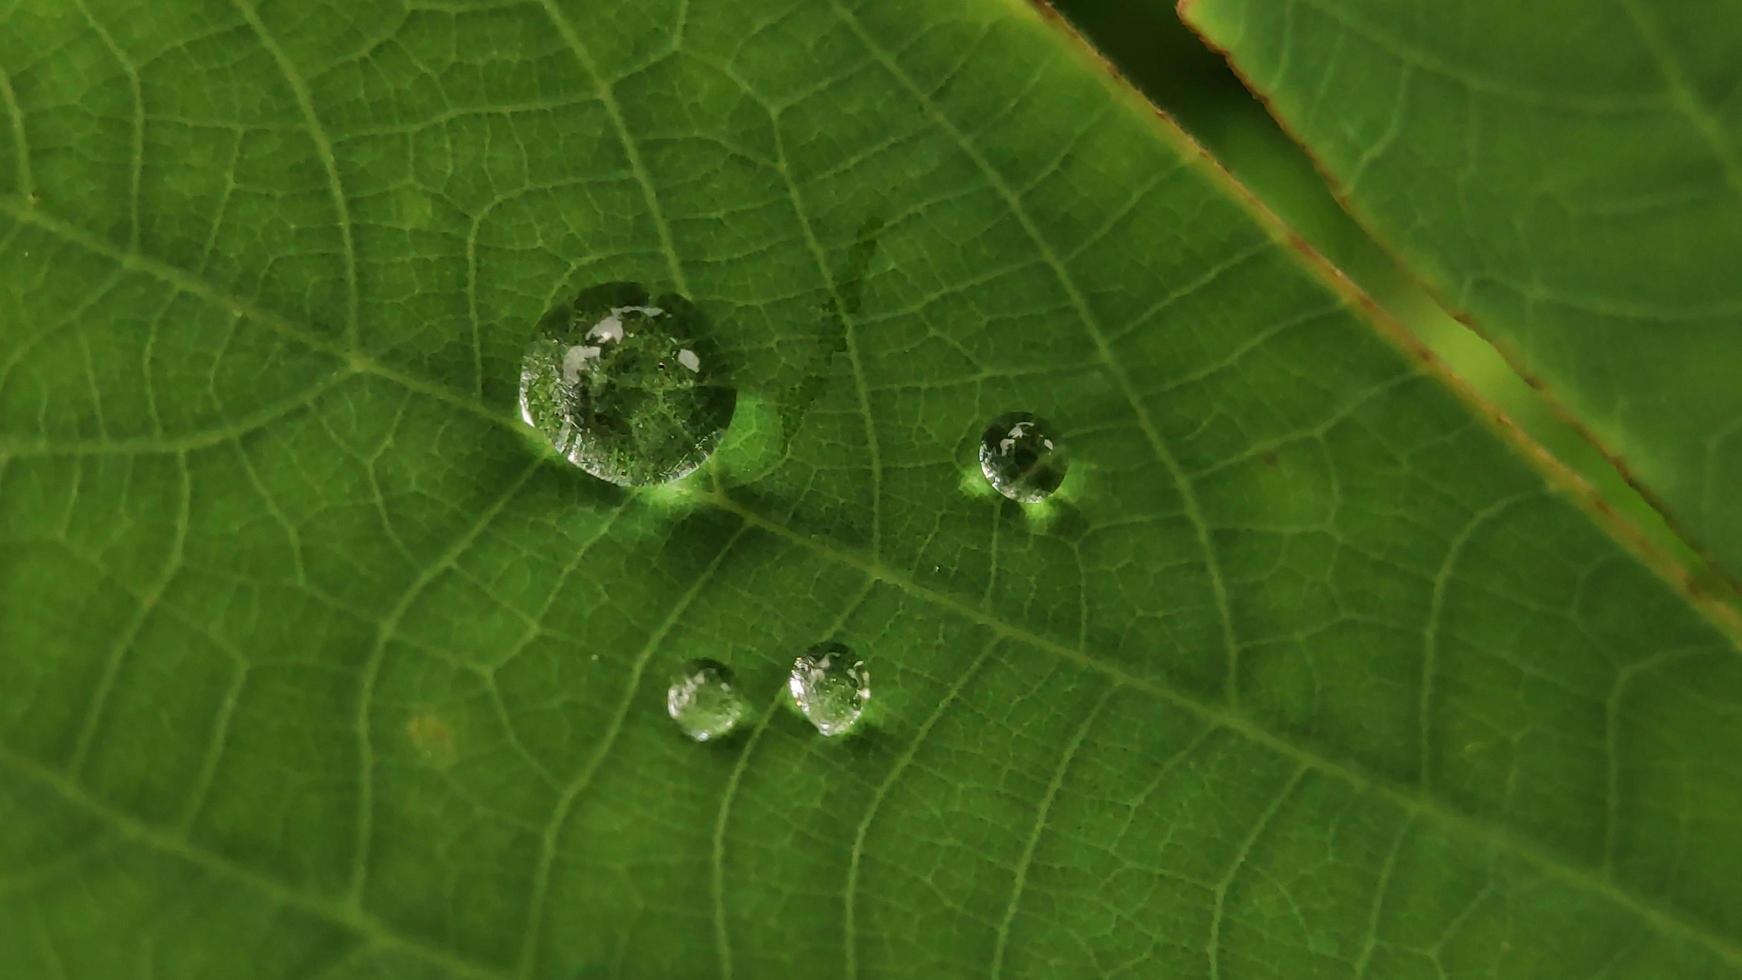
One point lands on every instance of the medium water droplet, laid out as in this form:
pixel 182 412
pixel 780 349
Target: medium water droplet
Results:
pixel 703 700
pixel 1022 457
pixel 830 686
pixel 625 386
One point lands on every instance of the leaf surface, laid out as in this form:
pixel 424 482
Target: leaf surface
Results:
pixel 314 663
pixel 1568 178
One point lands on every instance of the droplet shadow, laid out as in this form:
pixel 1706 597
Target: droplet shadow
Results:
pixel 1055 518
pixel 830 340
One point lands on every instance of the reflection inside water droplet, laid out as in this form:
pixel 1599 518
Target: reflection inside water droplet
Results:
pixel 830 687
pixel 703 700
pixel 626 387
pixel 1022 457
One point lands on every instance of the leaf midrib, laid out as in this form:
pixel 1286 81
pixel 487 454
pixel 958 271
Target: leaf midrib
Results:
pixel 1408 796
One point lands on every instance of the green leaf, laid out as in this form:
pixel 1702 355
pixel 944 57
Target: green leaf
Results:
pixel 1566 177
pixel 314 662
pixel 1173 68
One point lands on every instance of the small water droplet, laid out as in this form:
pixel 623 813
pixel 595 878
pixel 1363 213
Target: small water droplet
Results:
pixel 703 700
pixel 1022 457
pixel 625 386
pixel 830 686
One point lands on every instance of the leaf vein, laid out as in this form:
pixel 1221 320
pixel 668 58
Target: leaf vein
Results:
pixel 1002 943
pixel 1090 323
pixel 606 741
pixel 329 163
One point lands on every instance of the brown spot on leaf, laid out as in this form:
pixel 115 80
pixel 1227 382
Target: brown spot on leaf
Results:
pixel 432 737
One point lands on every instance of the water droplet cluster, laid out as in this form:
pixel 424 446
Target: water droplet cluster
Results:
pixel 625 385
pixel 828 685
pixel 627 388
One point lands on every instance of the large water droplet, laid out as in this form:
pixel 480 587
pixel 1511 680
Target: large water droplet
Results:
pixel 830 686
pixel 1022 457
pixel 703 700
pixel 626 386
